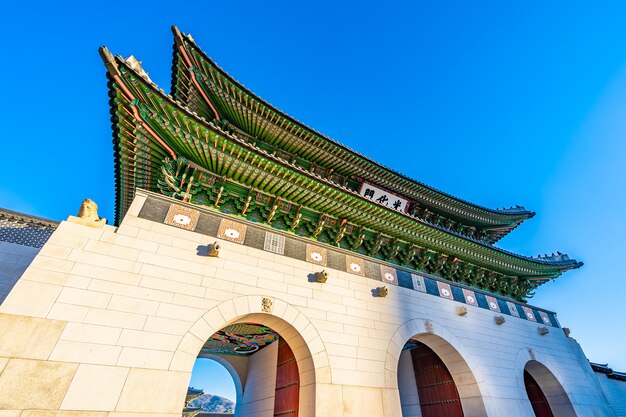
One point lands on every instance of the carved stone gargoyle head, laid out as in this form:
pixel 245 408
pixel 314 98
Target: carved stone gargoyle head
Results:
pixel 543 331
pixel 214 250
pixel 566 331
pixel 499 320
pixel 382 291
pixel 461 310
pixel 321 276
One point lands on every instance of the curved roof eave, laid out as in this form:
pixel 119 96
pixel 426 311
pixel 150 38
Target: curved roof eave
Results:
pixel 516 214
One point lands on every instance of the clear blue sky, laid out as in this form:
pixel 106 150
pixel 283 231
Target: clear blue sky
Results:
pixel 500 103
pixel 213 378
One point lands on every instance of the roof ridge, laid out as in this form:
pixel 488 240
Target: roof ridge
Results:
pixel 28 218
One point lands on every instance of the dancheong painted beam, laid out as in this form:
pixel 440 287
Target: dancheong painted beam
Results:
pixel 213 143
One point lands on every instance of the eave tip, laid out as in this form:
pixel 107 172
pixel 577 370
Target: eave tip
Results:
pixel 108 58
pixel 106 55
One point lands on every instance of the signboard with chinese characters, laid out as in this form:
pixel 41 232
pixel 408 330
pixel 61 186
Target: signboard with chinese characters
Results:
pixel 384 197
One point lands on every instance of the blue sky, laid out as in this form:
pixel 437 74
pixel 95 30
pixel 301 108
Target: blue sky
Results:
pixel 213 378
pixel 499 103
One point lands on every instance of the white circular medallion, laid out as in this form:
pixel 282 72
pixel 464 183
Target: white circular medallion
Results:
pixel 355 267
pixel 530 316
pixel 316 256
pixel 181 219
pixel 546 320
pixel 231 233
pixel 493 305
pixel 470 299
pixel 445 292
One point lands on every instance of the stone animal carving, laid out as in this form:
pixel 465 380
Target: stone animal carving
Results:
pixel 88 215
pixel 321 276
pixel 214 250
pixel 89 211
pixel 382 291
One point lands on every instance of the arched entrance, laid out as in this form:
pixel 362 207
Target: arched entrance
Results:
pixel 436 390
pixel 537 399
pixel 545 393
pixel 264 366
pixel 433 378
pixel 301 354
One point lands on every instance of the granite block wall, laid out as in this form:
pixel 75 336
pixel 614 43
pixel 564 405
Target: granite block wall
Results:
pixel 101 315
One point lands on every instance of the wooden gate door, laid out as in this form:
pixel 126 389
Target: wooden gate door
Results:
pixel 537 398
pixel 287 382
pixel 437 391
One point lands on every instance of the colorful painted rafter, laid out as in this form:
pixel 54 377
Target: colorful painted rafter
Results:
pixel 162 145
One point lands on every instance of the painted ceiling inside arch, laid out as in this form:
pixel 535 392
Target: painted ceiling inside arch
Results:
pixel 242 339
pixel 214 143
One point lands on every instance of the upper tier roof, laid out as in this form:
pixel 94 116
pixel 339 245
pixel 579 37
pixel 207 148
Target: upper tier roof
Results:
pixel 201 84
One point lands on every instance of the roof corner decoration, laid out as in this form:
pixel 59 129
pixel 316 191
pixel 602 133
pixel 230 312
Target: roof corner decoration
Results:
pixel 213 143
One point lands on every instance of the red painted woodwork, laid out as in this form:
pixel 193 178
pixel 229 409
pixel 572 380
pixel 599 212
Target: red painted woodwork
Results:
pixel 436 389
pixel 287 382
pixel 537 398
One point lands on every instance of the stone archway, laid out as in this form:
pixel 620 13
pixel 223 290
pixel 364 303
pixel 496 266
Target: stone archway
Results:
pixel 292 326
pixel 449 350
pixel 541 387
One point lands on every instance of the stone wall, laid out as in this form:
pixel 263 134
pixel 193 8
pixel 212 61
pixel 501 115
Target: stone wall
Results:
pixel 259 391
pixel 21 237
pixel 407 388
pixel 110 321
pixel 14 259
pixel 615 392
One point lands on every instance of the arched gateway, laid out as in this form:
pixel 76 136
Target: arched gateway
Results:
pixel 278 373
pixel 230 213
pixel 545 393
pixel 434 377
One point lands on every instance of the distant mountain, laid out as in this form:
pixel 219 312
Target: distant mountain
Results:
pixel 213 404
